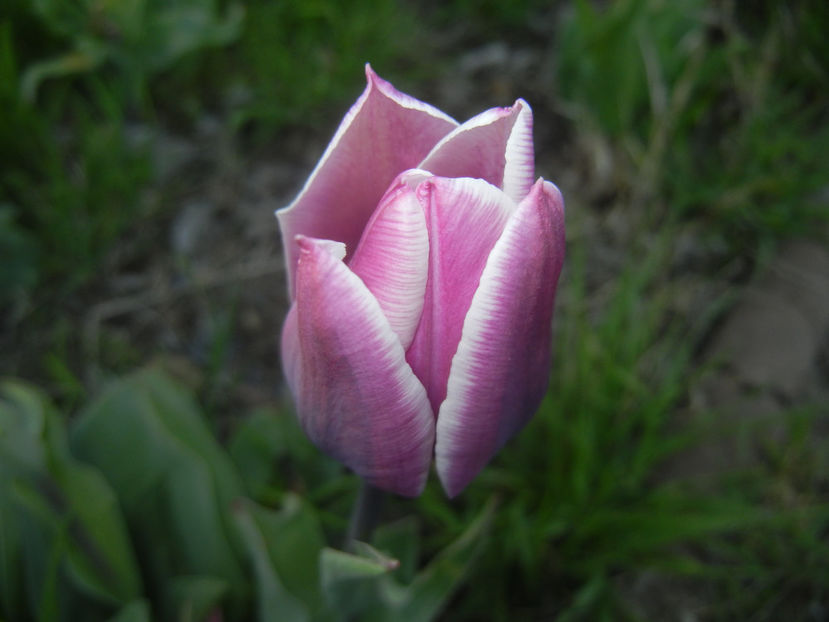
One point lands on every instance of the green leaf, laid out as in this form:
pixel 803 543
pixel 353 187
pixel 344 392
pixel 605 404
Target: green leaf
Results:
pixel 174 30
pixel 272 452
pixel 196 597
pixel 350 582
pixel 275 602
pixel 62 504
pixel 136 611
pixel 11 596
pixel 174 481
pixel 100 559
pixel 400 540
pixel 22 420
pixel 427 595
pixel 294 540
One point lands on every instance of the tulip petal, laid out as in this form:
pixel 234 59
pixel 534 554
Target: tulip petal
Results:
pixel 356 396
pixel 290 350
pixel 385 132
pixel 392 259
pixel 496 145
pixel 500 372
pixel 465 217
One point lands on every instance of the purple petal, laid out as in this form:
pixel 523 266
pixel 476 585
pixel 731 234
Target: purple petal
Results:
pixel 496 145
pixel 500 372
pixel 393 256
pixel 464 217
pixel 384 133
pixel 356 396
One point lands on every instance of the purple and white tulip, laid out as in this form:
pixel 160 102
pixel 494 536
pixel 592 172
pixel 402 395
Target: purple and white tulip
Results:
pixel 422 262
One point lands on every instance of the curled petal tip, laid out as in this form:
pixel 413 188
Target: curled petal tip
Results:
pixel 521 103
pixel 370 73
pixel 309 245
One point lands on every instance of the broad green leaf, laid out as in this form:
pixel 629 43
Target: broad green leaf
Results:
pixel 271 451
pixel 400 540
pixel 427 595
pixel 366 585
pixel 175 482
pixel 64 505
pixel 100 558
pixel 172 31
pixel 11 605
pixel 275 603
pixel 22 424
pixel 195 597
pixel 351 583
pixel 294 539
pixel 136 611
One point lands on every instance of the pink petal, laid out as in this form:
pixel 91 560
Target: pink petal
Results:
pixel 465 217
pixel 356 396
pixel 392 259
pixel 291 361
pixel 496 145
pixel 384 133
pixel 500 372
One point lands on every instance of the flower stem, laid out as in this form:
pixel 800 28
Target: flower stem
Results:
pixel 365 515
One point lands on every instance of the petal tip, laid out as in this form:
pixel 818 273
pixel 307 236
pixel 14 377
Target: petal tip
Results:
pixel 425 188
pixel 453 483
pixel 522 104
pixel 308 245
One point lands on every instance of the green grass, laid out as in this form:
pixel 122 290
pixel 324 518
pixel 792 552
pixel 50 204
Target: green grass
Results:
pixel 291 61
pixel 716 114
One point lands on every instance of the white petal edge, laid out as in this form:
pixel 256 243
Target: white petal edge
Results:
pixel 520 155
pixel 500 370
pixel 392 258
pixel 519 159
pixel 357 398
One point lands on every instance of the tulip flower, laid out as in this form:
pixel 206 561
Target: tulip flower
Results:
pixel 422 262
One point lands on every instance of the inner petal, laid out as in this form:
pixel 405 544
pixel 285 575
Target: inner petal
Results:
pixel 464 218
pixel 392 259
pixel 495 145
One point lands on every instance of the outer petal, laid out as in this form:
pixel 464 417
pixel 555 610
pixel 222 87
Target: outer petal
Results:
pixel 393 256
pixel 500 372
pixel 384 133
pixel 496 145
pixel 465 218
pixel 356 396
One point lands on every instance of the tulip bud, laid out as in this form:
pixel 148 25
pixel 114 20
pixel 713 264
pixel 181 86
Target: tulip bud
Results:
pixel 422 260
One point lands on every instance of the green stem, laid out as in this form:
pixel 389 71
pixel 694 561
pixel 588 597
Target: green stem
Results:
pixel 365 515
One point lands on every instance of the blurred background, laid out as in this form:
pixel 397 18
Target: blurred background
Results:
pixel 678 468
